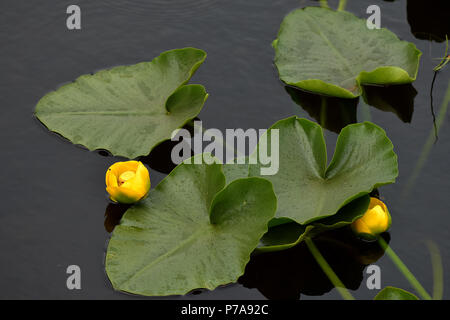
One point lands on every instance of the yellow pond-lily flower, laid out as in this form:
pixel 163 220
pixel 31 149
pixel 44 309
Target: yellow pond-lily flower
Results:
pixel 376 220
pixel 127 182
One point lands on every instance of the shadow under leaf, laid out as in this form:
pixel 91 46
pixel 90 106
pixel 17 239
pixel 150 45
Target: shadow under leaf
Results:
pixel 330 112
pixel 113 214
pixel 398 99
pixel 160 158
pixel 288 274
pixel 335 113
pixel 428 19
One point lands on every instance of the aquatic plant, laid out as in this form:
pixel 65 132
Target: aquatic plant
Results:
pixel 334 53
pixel 127 110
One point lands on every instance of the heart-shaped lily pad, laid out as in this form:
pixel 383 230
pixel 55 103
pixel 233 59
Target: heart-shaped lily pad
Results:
pixel 333 53
pixel 127 110
pixel 308 190
pixel 190 232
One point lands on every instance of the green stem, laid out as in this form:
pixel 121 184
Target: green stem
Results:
pixel 328 271
pixel 365 111
pixel 324 3
pixel 438 273
pixel 342 4
pixel 426 149
pixel 445 59
pixel 404 269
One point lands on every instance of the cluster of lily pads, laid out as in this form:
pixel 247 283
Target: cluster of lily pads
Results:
pixel 198 227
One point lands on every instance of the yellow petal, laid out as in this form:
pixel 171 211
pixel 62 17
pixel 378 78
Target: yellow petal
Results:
pixel 120 167
pixel 359 226
pixel 113 192
pixel 143 177
pixel 111 179
pixel 376 202
pixel 134 181
pixel 123 195
pixel 108 173
pixel 125 176
pixel 127 166
pixel 375 221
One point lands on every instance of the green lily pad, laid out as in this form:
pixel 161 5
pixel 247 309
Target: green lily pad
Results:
pixel 391 293
pixel 346 215
pixel 288 235
pixel 284 236
pixel 333 53
pixel 127 110
pixel 234 171
pixel 191 232
pixel 308 190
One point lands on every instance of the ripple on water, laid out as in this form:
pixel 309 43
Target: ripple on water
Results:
pixel 161 9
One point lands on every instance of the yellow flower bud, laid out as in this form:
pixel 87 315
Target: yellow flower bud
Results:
pixel 127 182
pixel 376 220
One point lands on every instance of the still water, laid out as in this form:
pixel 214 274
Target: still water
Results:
pixel 53 197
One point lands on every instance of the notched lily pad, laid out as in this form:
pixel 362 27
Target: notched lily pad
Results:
pixel 333 53
pixel 191 232
pixel 127 110
pixel 307 189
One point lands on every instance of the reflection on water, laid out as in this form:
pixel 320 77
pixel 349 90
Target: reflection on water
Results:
pixel 113 214
pixel 428 21
pixel 104 152
pixel 398 99
pixel 288 274
pixel 335 113
pixel 433 114
pixel 160 158
pixel 236 35
pixel 330 112
pixel 161 9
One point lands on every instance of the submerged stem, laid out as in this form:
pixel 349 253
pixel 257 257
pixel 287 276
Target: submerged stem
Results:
pixel 445 59
pixel 342 4
pixel 426 149
pixel 365 112
pixel 438 273
pixel 324 3
pixel 404 269
pixel 433 114
pixel 328 271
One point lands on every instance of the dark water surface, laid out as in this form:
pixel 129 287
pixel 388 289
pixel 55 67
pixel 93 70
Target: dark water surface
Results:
pixel 53 198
